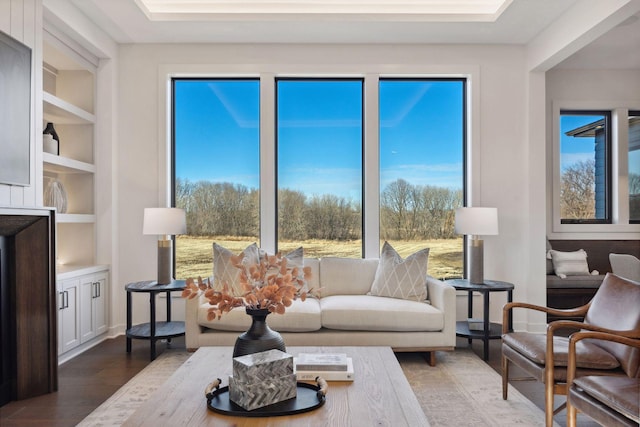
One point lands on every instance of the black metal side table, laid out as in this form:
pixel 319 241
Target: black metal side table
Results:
pixel 153 331
pixel 489 330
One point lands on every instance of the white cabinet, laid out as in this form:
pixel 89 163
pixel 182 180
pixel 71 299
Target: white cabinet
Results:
pixel 82 308
pixel 69 87
pixel 93 313
pixel 68 315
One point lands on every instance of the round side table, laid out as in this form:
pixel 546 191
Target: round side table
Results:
pixel 153 331
pixel 489 331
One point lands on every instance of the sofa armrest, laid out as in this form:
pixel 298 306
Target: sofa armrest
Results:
pixel 443 297
pixel 192 328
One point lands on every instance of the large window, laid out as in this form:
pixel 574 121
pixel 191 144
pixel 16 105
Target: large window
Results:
pixel 422 142
pixel 319 165
pixel 585 171
pixel 634 167
pixel 216 167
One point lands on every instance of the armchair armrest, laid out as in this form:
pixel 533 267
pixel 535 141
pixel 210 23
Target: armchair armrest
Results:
pixel 506 309
pixel 630 339
pixel 591 329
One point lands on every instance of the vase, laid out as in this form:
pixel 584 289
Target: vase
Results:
pixel 259 337
pixel 49 130
pixel 55 195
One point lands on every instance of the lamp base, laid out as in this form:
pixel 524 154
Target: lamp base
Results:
pixel 164 262
pixel 476 261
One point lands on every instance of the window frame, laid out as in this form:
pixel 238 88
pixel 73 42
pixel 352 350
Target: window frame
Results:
pixel 466 183
pixel 608 123
pixel 360 79
pixel 635 113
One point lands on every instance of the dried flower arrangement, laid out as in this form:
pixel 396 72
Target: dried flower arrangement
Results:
pixel 270 284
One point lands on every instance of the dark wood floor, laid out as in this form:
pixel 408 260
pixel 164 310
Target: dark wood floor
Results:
pixel 89 379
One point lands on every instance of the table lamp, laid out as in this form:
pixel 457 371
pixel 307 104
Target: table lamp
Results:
pixel 164 222
pixel 476 222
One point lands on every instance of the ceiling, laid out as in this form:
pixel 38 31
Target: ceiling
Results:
pixel 354 21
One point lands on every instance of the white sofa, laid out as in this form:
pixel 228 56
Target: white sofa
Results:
pixel 343 315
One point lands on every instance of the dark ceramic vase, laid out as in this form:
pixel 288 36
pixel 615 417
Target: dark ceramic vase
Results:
pixel 259 337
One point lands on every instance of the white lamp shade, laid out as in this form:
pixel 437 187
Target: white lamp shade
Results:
pixel 477 221
pixel 164 221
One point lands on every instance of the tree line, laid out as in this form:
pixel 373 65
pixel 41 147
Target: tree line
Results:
pixel 407 211
pixel 578 191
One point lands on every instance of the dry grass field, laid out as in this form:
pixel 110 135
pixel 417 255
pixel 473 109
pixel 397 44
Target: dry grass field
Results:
pixel 194 254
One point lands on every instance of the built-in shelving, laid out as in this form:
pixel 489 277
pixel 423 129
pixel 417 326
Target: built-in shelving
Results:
pixel 69 86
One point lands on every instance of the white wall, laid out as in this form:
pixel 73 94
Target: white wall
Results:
pixel 22 20
pixel 499 135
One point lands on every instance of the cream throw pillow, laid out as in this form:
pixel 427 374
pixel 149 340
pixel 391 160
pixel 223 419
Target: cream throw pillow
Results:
pixel 569 263
pixel 398 278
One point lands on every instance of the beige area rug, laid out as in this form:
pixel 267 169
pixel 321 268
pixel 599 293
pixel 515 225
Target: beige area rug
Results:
pixel 461 390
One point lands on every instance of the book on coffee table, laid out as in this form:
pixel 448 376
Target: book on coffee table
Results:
pixel 321 362
pixel 311 375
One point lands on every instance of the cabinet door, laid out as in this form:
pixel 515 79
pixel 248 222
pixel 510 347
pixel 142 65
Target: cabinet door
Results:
pixel 68 315
pixel 93 311
pixel 100 303
pixel 87 292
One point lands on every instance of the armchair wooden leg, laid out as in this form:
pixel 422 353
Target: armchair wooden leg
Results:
pixel 505 377
pixel 548 404
pixel 572 414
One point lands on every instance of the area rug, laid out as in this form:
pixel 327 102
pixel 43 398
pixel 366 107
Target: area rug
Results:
pixel 461 390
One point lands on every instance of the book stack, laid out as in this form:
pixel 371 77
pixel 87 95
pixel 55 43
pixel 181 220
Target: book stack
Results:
pixel 330 366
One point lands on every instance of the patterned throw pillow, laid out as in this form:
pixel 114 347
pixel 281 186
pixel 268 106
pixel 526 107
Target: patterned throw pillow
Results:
pixel 225 272
pixel 398 278
pixel 570 263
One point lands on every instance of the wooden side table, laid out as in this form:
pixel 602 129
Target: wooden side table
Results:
pixel 490 330
pixel 153 331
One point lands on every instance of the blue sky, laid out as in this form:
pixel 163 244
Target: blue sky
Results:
pixel 320 133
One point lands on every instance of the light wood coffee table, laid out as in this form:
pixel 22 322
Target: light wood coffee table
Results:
pixel 379 396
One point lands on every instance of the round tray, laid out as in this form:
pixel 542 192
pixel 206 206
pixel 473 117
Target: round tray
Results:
pixel 307 399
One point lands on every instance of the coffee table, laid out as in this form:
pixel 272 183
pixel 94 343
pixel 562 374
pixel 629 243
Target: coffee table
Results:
pixel 379 395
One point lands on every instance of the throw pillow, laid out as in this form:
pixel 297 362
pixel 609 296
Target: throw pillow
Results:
pixel 401 278
pixel 569 263
pixel 550 269
pixel 225 272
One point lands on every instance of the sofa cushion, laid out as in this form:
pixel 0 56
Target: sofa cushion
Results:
pixel 370 313
pixel 401 278
pixel 314 281
pixel 346 276
pixel 569 263
pixel 590 281
pixel 301 316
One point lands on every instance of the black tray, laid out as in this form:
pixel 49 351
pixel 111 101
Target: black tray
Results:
pixel 307 399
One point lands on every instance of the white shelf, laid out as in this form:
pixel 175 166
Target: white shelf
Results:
pixel 76 218
pixel 59 164
pixel 59 111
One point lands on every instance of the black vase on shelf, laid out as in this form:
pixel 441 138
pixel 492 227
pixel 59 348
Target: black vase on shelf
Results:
pixel 259 337
pixel 50 130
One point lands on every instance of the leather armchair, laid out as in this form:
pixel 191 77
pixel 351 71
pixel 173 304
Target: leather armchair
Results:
pixel 613 309
pixel 610 400
pixel 625 265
